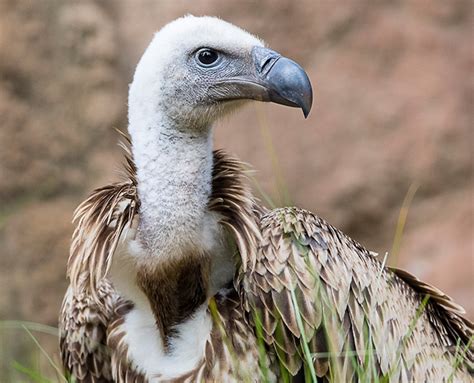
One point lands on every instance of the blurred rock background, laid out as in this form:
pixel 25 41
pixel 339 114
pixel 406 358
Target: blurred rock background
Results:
pixel 394 90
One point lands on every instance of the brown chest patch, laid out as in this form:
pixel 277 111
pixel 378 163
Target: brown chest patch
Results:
pixel 175 290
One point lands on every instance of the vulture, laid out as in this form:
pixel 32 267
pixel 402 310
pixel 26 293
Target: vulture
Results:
pixel 179 274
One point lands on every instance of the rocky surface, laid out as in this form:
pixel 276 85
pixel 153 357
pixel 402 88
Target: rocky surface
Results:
pixel 393 106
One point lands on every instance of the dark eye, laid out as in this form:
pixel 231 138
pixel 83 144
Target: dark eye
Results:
pixel 207 57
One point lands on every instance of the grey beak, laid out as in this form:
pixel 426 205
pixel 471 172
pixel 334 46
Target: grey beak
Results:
pixel 270 77
pixel 286 81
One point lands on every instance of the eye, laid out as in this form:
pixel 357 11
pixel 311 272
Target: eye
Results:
pixel 207 57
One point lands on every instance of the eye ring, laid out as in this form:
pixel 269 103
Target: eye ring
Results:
pixel 207 57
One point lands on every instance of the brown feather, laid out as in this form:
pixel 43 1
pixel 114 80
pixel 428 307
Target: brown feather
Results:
pixel 175 291
pixel 350 303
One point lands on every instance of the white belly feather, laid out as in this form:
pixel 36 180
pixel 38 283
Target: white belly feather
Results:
pixel 145 344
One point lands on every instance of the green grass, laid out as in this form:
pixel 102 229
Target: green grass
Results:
pixel 306 352
pixel 262 353
pixel 29 353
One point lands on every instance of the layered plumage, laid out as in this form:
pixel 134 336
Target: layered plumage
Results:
pixel 352 308
pixel 311 284
pixel 93 345
pixel 178 274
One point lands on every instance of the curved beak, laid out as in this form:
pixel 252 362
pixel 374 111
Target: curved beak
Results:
pixel 273 78
pixel 286 81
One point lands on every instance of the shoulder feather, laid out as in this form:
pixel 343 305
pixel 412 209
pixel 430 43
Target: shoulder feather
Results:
pixel 100 221
pixel 233 200
pixel 88 306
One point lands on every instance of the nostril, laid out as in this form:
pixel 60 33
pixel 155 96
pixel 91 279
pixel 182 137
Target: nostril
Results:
pixel 264 59
pixel 268 64
pixel 267 61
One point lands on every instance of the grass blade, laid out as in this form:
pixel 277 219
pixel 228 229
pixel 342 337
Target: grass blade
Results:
pixel 43 351
pixel 32 326
pixel 32 374
pixel 280 184
pixel 402 219
pixel 306 351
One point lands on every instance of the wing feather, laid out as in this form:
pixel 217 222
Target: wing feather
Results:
pixel 83 335
pixel 88 306
pixel 353 310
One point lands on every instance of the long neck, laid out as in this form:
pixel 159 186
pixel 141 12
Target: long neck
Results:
pixel 174 170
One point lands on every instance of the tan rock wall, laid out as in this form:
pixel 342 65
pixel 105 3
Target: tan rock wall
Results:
pixel 393 88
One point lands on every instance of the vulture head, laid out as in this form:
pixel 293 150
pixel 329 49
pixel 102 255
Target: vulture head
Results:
pixel 198 68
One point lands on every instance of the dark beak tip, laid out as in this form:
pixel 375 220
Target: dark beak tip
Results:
pixel 307 98
pixel 306 102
